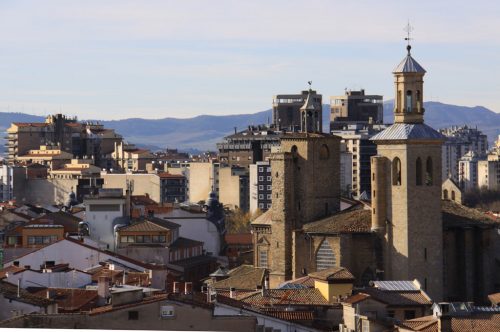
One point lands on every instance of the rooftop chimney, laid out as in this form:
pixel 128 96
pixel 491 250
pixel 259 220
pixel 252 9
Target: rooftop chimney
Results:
pixel 103 292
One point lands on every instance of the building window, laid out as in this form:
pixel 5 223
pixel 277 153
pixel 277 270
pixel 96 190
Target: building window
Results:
pixel 409 101
pixel 269 197
pixel 396 172
pixel 261 178
pixel 268 205
pixel 261 196
pixel 263 257
pixel 269 179
pixel 428 172
pixel 261 187
pixel 261 169
pixel 409 314
pixel 324 153
pixel 418 170
pixel 261 206
pixel 325 257
pixel 445 194
pixel 453 195
pixel 133 315
pixel 269 187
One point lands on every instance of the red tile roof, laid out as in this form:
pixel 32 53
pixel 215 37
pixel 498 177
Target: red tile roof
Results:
pixel 334 273
pixel 421 324
pixel 242 238
pixel 70 299
pixel 291 315
pixel 286 297
pixel 476 323
pixel 356 298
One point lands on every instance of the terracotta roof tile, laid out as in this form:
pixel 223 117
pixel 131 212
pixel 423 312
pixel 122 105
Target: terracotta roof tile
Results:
pixel 10 291
pixel 286 297
pixel 264 219
pixel 307 281
pixel 334 273
pixel 398 298
pixel 150 225
pixel 292 315
pixel 353 299
pixel 70 299
pixel 455 214
pixel 242 238
pixel 353 221
pixel 421 324
pixel 476 323
pixel 244 277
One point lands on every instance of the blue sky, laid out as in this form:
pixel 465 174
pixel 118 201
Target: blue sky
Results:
pixel 152 59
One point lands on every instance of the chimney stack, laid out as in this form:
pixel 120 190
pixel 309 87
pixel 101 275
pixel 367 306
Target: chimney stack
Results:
pixel 103 291
pixel 232 292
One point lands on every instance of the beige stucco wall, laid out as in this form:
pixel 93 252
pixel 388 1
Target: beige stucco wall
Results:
pixel 142 183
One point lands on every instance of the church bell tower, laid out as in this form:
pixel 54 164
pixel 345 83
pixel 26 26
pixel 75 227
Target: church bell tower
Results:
pixel 406 187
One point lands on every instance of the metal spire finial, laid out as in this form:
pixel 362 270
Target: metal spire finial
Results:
pixel 310 83
pixel 408 30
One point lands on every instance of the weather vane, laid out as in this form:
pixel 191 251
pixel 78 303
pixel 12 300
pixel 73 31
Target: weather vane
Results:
pixel 310 83
pixel 408 30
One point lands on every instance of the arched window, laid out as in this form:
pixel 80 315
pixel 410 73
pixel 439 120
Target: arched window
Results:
pixel 396 172
pixel 445 194
pixel 419 97
pixel 400 98
pixel 324 153
pixel 409 101
pixel 428 172
pixel 453 195
pixel 418 171
pixel 325 257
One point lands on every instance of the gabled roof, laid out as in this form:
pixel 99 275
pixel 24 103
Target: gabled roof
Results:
pixel 69 221
pixel 9 291
pixel 183 242
pixel 409 65
pixel 458 215
pixel 286 297
pixel 352 221
pixel 421 324
pixel 408 131
pixel 150 224
pixel 263 219
pixel 69 299
pixel 332 274
pixel 399 298
pixel 244 277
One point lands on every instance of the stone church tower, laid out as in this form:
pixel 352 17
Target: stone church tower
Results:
pixel 406 187
pixel 305 188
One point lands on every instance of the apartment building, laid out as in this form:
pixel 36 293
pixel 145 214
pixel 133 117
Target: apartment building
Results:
pixel 260 186
pixel 355 107
pixel 79 139
pixel 356 141
pixel 459 141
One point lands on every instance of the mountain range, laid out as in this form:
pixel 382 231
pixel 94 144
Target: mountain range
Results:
pixel 200 133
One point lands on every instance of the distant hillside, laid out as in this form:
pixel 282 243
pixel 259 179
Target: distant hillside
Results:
pixel 439 115
pixel 202 132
